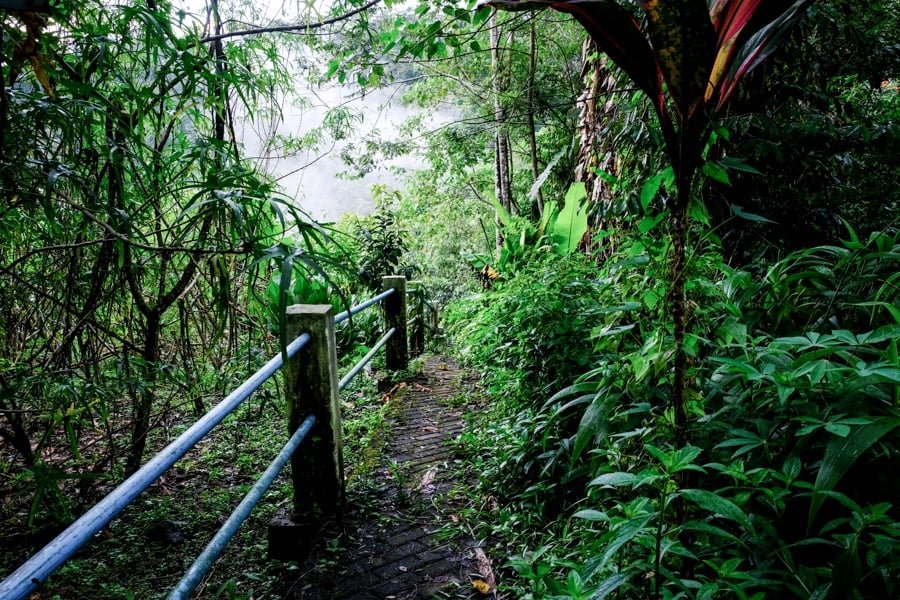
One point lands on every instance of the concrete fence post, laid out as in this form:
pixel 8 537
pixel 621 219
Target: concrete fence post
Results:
pixel 397 350
pixel 317 471
pixel 312 388
pixel 433 320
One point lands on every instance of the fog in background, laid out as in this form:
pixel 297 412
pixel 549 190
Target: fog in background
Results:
pixel 313 178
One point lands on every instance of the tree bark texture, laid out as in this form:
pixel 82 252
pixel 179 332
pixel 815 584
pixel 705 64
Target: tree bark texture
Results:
pixel 502 150
pixel 538 209
pixel 678 304
pixel 595 149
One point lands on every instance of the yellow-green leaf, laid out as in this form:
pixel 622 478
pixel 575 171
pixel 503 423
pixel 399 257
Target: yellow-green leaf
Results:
pixel 481 586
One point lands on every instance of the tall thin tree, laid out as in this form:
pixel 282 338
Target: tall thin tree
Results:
pixel 688 56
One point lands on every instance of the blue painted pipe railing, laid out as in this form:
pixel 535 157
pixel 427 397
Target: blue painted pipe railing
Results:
pixel 24 580
pixel 365 359
pixel 217 545
pixel 343 316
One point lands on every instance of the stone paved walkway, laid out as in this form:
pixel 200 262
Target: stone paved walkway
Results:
pixel 392 548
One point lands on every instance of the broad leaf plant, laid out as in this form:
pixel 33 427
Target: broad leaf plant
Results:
pixel 688 56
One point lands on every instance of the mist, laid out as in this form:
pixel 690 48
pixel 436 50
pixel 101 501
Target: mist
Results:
pixel 317 179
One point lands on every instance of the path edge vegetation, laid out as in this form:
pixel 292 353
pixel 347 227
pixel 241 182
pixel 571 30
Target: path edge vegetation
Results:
pixel 689 399
pixel 667 524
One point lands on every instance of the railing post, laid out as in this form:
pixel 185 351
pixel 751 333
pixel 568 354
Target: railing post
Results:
pixel 311 379
pixel 417 335
pixel 433 320
pixel 311 387
pixel 397 352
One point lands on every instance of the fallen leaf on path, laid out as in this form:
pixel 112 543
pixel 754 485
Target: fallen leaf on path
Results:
pixel 481 586
pixel 427 483
pixel 486 572
pixel 388 396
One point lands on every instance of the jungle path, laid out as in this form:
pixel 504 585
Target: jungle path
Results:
pixel 396 539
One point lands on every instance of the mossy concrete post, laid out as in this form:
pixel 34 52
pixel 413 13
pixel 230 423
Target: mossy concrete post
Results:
pixel 311 387
pixel 396 350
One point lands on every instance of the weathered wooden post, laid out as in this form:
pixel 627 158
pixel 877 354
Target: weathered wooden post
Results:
pixel 317 471
pixel 396 350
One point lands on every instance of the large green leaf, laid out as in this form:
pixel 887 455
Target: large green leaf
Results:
pixel 842 453
pixel 502 214
pixel 548 219
pixel 571 223
pixel 621 535
pixel 608 586
pixel 717 505
pixel 593 422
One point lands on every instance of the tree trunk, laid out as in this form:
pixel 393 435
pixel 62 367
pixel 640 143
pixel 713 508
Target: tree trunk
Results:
pixel 595 149
pixel 538 209
pixel 18 435
pixel 144 399
pixel 145 395
pixel 678 304
pixel 502 154
pixel 187 357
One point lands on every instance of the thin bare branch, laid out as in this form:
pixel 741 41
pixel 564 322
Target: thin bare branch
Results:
pixel 301 27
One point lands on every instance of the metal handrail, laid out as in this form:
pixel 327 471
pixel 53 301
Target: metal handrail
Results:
pixel 346 379
pixel 418 291
pixel 343 316
pixel 35 570
pixel 216 546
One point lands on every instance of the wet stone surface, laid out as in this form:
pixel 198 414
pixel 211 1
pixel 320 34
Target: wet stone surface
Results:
pixel 388 546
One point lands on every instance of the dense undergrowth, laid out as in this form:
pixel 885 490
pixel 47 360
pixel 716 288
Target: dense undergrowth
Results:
pixel 146 550
pixel 147 261
pixel 785 487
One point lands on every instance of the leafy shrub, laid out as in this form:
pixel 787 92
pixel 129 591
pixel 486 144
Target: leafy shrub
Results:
pixel 381 243
pixel 533 324
pixel 557 316
pixel 786 486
